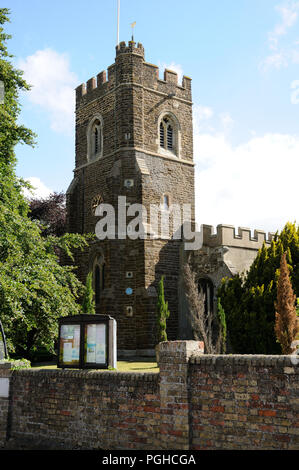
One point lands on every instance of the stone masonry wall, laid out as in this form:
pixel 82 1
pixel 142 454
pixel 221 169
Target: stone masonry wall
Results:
pixel 130 102
pixel 196 402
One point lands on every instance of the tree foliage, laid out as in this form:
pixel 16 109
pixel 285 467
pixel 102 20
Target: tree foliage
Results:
pixel 286 326
pixel 249 301
pixel 88 303
pixel 11 132
pixel 35 290
pixel 49 213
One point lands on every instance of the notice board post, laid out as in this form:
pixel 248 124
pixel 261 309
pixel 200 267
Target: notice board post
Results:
pixel 87 342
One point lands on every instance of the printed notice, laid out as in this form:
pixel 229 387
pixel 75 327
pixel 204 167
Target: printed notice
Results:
pixel 96 344
pixel 70 343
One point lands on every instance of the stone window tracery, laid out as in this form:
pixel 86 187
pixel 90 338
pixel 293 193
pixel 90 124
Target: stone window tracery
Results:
pixel 169 135
pixel 95 138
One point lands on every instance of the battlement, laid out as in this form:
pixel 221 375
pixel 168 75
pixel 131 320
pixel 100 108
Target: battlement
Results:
pixel 226 236
pixel 123 48
pixel 146 75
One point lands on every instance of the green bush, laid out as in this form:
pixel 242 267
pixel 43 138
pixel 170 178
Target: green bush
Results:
pixel 249 302
pixel 17 364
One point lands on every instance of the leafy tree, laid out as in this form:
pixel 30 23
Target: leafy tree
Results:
pixel 50 213
pixel 11 133
pixel 249 300
pixel 35 290
pixel 88 303
pixel 286 326
pixel 162 312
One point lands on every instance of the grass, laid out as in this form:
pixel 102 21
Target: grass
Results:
pixel 141 365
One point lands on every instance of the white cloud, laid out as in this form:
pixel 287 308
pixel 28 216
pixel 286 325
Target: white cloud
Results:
pixel 289 16
pixel 226 121
pixel 174 67
pixel 253 184
pixel 283 56
pixel 53 86
pixel 40 190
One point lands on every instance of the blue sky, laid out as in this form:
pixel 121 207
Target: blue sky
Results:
pixel 243 58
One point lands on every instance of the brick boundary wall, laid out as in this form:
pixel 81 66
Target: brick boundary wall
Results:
pixel 244 402
pixel 196 402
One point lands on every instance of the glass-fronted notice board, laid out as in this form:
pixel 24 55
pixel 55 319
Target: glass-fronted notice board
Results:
pixel 70 344
pixel 95 343
pixel 87 341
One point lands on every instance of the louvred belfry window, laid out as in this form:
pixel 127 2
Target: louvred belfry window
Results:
pixel 169 137
pixel 162 136
pixel 167 134
pixel 96 140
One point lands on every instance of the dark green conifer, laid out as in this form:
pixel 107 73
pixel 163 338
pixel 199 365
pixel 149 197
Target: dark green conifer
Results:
pixel 162 313
pixel 88 303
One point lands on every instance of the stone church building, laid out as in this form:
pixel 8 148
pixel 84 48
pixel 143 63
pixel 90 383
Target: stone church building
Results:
pixel 134 141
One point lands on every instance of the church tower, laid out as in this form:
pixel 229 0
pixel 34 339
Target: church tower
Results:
pixel 134 141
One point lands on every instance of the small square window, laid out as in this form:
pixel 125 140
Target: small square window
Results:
pixel 129 311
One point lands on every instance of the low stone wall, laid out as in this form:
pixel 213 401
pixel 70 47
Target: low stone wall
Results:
pixel 196 402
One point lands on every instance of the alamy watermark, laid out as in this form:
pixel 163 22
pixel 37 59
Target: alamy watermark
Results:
pixel 134 221
pixel 295 93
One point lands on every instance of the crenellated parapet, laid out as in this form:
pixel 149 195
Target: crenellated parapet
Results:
pixel 226 235
pixel 131 48
pixel 130 67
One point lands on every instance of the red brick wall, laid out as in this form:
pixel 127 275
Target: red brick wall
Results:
pixel 196 402
pixel 244 402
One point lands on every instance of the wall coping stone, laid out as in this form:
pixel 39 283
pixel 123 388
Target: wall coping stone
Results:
pixel 112 376
pixel 259 360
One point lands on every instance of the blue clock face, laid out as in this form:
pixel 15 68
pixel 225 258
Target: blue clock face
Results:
pixel 129 291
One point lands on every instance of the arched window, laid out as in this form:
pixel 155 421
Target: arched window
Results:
pixel 162 135
pixel 169 135
pixel 165 201
pixel 95 139
pixel 207 288
pixel 98 279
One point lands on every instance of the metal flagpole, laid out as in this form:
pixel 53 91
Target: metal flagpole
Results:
pixel 118 8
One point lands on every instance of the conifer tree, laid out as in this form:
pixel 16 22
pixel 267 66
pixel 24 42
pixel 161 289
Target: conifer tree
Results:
pixel 88 304
pixel 162 313
pixel 286 326
pixel 222 327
